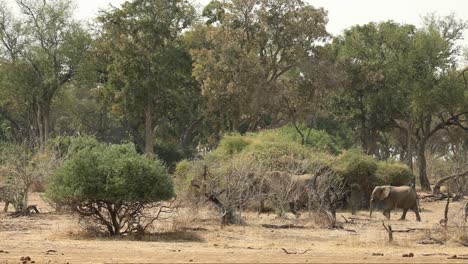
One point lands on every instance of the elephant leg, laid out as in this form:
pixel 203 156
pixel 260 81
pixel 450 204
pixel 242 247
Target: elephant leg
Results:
pixel 262 207
pixel 416 211
pixel 386 213
pixel 6 207
pixel 403 216
pixel 293 207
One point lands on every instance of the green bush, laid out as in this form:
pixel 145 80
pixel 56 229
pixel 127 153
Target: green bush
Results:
pixel 183 176
pixel 109 182
pixel 169 152
pixel 357 168
pixel 318 140
pixel 395 174
pixel 65 147
pixel 232 144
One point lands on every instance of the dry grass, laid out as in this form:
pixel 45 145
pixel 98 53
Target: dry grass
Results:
pixel 196 236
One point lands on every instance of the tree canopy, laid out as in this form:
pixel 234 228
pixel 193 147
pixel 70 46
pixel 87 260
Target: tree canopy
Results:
pixel 174 81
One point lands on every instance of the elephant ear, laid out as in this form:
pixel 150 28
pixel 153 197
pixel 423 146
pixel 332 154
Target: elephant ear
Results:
pixel 384 192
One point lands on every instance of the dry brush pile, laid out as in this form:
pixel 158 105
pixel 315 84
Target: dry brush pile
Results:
pixel 271 170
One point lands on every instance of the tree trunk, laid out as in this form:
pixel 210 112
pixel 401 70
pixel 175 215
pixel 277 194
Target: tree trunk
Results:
pixel 46 122
pixel 409 148
pixel 26 198
pixel 42 110
pixel 39 124
pixel 424 180
pixel 149 147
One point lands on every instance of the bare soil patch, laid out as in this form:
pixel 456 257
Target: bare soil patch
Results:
pixel 54 238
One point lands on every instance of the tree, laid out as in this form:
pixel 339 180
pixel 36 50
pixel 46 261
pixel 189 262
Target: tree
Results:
pixel 142 38
pixel 402 86
pixel 372 58
pixel 47 47
pixel 251 46
pixel 437 93
pixel 113 186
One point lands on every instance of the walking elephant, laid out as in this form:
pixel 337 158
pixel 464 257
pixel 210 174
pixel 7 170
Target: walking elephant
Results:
pixel 404 197
pixel 283 190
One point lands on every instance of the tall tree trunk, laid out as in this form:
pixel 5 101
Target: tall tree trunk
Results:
pixel 149 147
pixel 409 149
pixel 40 124
pixel 26 198
pixel 424 180
pixel 46 122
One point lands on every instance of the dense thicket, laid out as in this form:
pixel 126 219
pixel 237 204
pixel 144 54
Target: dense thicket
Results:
pixel 172 81
pixel 271 169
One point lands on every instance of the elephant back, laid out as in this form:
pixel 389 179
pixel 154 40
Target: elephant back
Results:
pixel 404 196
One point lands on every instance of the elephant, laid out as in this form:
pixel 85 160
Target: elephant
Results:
pixel 6 196
pixel 404 197
pixel 290 192
pixel 285 190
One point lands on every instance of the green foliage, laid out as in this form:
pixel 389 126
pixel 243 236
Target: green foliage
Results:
pixel 355 167
pixel 169 152
pixel 277 149
pixel 392 173
pixel 111 173
pixel 149 70
pixel 240 69
pixel 181 176
pixel 232 144
pixel 318 140
pixel 66 147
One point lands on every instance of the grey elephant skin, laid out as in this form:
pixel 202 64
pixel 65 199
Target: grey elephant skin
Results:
pixel 278 183
pixel 404 197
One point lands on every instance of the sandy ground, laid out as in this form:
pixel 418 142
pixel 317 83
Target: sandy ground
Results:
pixel 54 238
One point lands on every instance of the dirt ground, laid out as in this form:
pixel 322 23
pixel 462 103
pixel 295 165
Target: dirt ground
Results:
pixel 54 238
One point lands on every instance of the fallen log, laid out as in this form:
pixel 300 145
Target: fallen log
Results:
pixel 436 190
pixel 281 226
pixel 289 253
pixel 434 254
pixel 31 209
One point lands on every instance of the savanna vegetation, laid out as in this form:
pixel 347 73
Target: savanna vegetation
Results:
pixel 243 106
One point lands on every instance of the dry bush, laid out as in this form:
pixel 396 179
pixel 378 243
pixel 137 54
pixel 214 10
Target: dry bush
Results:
pixel 229 189
pixel 134 219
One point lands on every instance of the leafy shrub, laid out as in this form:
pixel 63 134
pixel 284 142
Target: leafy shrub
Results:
pixel 65 147
pixel 318 140
pixel 232 144
pixel 357 168
pixel 392 173
pixel 169 152
pixel 112 185
pixel 278 155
